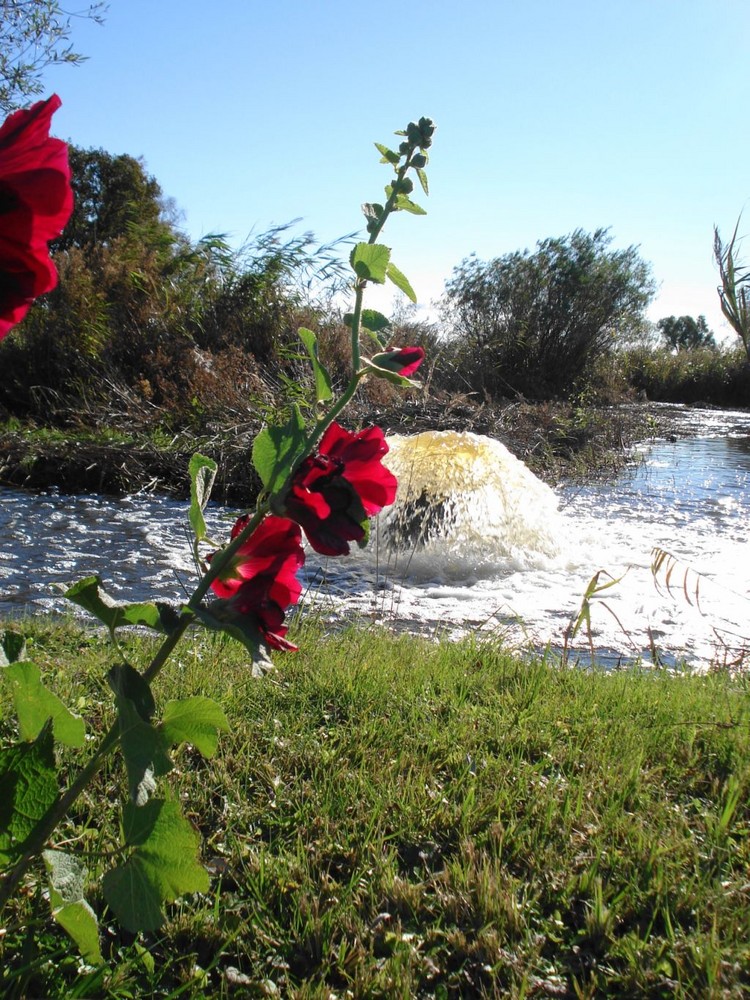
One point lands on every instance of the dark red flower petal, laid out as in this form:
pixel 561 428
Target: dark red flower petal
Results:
pixel 260 583
pixel 334 491
pixel 273 552
pixel 402 361
pixel 36 200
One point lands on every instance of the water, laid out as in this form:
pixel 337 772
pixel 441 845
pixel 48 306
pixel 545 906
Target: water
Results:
pixel 498 552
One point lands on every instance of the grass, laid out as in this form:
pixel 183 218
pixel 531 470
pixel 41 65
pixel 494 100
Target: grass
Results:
pixel 392 817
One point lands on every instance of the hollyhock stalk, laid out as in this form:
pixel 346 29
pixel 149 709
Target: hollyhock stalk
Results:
pixel 371 493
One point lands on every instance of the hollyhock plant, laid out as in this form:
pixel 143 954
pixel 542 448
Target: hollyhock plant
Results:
pixel 315 476
pixel 36 200
pixel 336 490
pixel 260 582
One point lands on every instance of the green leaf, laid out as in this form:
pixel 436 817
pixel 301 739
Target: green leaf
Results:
pixel 34 705
pixel 126 682
pixel 132 895
pixel 162 866
pixel 362 542
pixel 69 907
pixel 144 749
pixel 239 627
pixel 401 281
pixel 405 204
pixel 388 154
pixel 194 720
pixel 79 922
pixel 322 378
pixel 276 449
pixel 12 648
pixel 372 211
pixel 90 595
pixel 370 261
pixel 423 180
pixel 374 323
pixel 28 787
pixel 202 474
pixel 134 898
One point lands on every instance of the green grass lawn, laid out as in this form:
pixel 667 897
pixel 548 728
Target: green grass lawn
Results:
pixel 393 817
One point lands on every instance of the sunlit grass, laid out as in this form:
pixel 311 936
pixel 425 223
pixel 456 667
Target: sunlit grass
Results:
pixel 396 817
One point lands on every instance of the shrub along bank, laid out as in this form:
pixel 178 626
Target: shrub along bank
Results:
pixel 555 439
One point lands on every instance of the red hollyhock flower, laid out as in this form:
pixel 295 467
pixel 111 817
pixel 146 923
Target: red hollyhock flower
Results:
pixel 261 582
pixel 403 361
pixel 335 491
pixel 35 203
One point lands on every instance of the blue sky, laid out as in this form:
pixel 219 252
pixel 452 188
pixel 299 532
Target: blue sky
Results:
pixel 552 115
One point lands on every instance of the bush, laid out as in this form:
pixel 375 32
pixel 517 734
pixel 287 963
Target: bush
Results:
pixel 534 323
pixel 701 375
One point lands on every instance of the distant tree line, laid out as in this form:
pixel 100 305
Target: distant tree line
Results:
pixel 143 319
pixel 147 326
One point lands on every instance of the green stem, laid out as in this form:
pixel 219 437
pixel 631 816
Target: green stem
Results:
pixel 360 284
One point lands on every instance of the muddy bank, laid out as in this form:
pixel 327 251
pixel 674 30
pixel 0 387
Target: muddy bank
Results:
pixel 557 441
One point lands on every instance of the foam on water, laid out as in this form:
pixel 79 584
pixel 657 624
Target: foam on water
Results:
pixel 465 505
pixel 474 542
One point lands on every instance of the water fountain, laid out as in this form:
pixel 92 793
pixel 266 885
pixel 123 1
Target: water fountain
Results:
pixel 466 496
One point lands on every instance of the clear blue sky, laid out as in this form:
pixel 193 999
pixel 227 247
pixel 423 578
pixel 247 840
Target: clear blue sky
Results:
pixel 551 114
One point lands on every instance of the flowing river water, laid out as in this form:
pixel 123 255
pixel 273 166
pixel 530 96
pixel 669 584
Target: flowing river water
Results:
pixel 474 544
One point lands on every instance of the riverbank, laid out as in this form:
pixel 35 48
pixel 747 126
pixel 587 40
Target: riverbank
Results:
pixel 394 817
pixel 556 440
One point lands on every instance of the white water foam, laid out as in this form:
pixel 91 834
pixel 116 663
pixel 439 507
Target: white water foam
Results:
pixel 497 554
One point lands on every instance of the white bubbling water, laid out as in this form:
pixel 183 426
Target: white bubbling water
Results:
pixel 498 554
pixel 466 503
pixel 468 573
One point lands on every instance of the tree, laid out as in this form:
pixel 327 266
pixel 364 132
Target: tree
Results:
pixel 114 196
pixel 141 312
pixel 35 34
pixel 734 290
pixel 534 322
pixel 682 333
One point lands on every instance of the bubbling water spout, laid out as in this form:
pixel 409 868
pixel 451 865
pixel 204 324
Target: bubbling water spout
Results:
pixel 465 499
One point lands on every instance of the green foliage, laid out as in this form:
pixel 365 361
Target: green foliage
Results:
pixel 720 377
pixel 91 595
pixel 194 720
pixel 277 449
pixel 28 787
pixel 323 391
pixel 202 471
pixel 401 282
pixel 160 867
pixel 685 332
pixel 35 34
pixel 69 907
pixel 534 323
pixel 114 198
pixel 734 291
pixel 143 751
pixel 34 705
pixel 370 261
pixel 145 326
